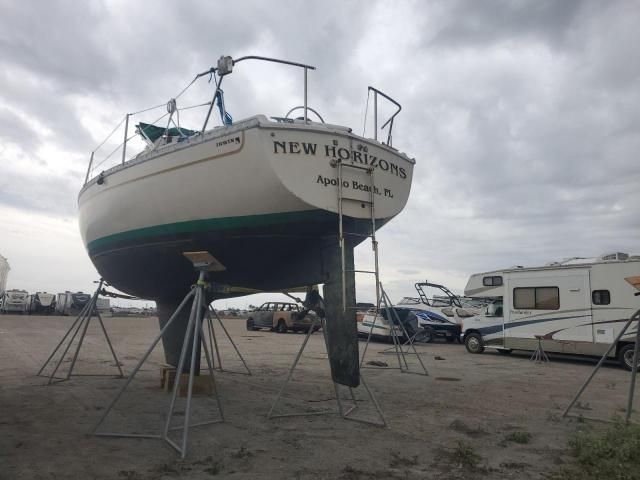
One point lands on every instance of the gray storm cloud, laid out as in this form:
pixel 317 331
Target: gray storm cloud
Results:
pixel 522 116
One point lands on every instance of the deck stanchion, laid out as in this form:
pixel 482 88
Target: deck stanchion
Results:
pixel 126 132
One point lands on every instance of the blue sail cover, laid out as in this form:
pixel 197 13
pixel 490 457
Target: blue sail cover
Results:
pixel 153 132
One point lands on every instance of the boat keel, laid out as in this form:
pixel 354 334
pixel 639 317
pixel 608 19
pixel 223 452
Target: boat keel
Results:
pixel 173 338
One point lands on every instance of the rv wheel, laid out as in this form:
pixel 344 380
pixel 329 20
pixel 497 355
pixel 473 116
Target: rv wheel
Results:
pixel 473 343
pixel 626 356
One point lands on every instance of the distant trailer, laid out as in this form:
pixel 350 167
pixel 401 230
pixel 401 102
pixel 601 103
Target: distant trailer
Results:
pixel 78 301
pixel 15 301
pixel 63 303
pixel 103 305
pixel 43 303
pixel 71 303
pixel 4 272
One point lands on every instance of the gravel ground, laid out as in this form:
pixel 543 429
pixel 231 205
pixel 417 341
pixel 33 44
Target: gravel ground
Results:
pixel 474 416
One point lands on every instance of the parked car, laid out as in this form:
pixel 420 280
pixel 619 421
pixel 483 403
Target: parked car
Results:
pixel 281 317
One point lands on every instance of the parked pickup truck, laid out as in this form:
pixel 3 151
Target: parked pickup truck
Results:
pixel 281 317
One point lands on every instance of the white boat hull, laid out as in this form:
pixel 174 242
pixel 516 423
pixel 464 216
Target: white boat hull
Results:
pixel 259 196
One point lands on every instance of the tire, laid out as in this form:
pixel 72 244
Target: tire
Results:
pixel 473 343
pixel 426 336
pixel 625 356
pixel 250 324
pixel 281 327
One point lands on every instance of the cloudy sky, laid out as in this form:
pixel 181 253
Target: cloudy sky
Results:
pixel 523 117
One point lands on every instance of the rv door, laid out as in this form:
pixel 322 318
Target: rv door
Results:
pixel 553 305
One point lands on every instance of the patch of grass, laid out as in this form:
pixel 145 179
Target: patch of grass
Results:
pixel 583 406
pixel 465 456
pixel 610 453
pixel 459 426
pixel 624 410
pixel 519 436
pixel 514 465
pixel 553 417
pixel 352 473
pixel 129 474
pixel 214 469
pixel 166 468
pixel 243 452
pixel 398 460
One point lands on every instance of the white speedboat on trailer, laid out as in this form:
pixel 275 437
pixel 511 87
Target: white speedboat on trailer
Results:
pixel 436 303
pixel 265 196
pixel 437 311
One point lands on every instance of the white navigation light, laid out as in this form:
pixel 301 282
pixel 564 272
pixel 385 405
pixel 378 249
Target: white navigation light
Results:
pixel 225 65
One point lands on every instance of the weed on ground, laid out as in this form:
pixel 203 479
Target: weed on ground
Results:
pixel 519 436
pixel 465 456
pixel 609 453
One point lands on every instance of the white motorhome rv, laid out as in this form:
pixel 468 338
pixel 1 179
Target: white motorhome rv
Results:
pixel 578 306
pixel 15 301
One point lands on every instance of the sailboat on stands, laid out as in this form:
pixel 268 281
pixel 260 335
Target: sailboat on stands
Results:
pixel 259 194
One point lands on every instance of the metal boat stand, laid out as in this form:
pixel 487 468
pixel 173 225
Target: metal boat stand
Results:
pixel 213 344
pixel 539 355
pixel 340 410
pixel 194 335
pixel 398 347
pixel 80 324
pixel 634 369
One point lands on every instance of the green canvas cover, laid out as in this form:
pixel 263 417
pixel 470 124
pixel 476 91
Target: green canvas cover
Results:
pixel 153 132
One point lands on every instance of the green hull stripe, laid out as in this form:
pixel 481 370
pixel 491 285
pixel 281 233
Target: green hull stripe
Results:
pixel 213 224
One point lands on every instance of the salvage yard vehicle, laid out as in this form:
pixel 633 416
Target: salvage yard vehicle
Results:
pixel 281 317
pixel 577 306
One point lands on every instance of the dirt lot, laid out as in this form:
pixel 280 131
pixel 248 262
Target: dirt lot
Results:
pixel 474 416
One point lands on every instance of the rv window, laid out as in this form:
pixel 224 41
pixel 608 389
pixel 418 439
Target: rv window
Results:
pixel 601 297
pixel 536 298
pixel 494 281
